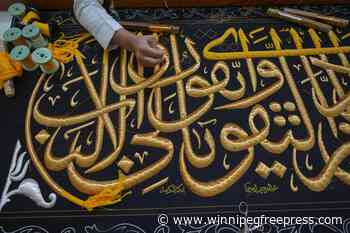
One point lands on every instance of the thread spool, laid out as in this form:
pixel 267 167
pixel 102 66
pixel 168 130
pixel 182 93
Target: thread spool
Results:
pixel 33 34
pixel 3 46
pixel 43 57
pixel 31 16
pixel 9 88
pixel 14 36
pixel 17 10
pixel 21 54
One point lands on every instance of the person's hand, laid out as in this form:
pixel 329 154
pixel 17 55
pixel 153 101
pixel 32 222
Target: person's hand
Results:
pixel 146 48
pixel 147 51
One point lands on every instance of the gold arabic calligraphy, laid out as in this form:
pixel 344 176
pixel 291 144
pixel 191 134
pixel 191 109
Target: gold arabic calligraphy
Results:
pixel 132 88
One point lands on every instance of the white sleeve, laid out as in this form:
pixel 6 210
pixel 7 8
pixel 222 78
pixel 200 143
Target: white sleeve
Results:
pixel 96 20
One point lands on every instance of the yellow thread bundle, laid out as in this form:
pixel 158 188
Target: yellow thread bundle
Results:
pixel 108 196
pixel 30 17
pixel 43 27
pixel 8 68
pixel 67 47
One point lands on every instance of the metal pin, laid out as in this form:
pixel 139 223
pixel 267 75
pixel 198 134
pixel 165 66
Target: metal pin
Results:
pixel 142 26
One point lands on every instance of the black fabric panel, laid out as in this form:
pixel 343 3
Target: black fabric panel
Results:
pixel 140 213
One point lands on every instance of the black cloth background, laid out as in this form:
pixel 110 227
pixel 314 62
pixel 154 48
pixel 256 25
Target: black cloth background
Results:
pixel 139 213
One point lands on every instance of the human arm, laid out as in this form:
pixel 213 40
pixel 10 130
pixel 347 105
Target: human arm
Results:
pixel 110 34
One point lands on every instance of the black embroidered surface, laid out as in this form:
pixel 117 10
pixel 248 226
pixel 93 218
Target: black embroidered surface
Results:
pixel 236 122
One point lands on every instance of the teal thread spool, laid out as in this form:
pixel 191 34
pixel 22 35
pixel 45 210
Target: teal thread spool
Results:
pixel 14 36
pixel 21 54
pixel 3 46
pixel 32 33
pixel 43 57
pixel 17 10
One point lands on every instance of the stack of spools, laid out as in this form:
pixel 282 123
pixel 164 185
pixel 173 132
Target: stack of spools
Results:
pixel 27 40
pixel 30 42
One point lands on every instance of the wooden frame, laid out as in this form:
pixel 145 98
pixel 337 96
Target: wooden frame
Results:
pixel 66 4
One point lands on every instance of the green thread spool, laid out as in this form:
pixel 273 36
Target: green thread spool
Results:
pixel 21 54
pixel 14 36
pixel 17 10
pixel 32 33
pixel 43 57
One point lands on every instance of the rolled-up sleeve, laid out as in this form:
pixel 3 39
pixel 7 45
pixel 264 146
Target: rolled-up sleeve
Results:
pixel 96 20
